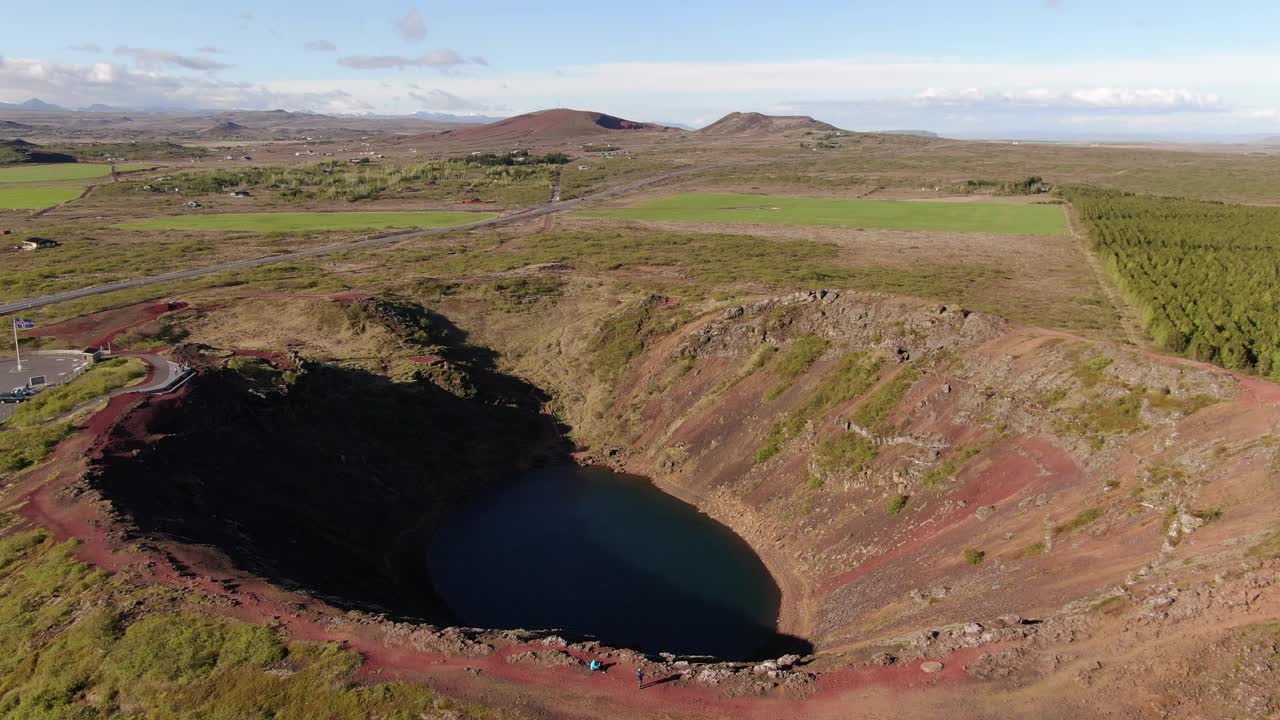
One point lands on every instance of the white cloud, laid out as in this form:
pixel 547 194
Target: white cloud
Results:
pixel 86 47
pixel 76 85
pixel 211 50
pixel 438 59
pixel 1106 98
pixel 319 46
pixel 152 58
pixel 1223 94
pixel 412 27
pixel 441 100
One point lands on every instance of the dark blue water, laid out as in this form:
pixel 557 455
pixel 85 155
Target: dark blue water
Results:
pixel 605 555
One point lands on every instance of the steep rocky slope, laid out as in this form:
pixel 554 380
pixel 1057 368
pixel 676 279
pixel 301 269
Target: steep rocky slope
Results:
pixel 1020 517
pixel 918 466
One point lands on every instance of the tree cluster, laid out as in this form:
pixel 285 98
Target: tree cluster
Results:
pixel 1205 275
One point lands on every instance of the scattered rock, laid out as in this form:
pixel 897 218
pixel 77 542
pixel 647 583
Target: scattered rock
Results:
pixel 883 658
pixel 931 666
pixel 984 512
pixel 546 658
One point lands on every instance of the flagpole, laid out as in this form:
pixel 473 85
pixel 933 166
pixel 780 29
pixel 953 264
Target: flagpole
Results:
pixel 15 343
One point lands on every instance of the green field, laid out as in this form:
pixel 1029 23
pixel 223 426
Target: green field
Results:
pixel 303 221
pixel 53 172
pixel 35 198
pixel 988 217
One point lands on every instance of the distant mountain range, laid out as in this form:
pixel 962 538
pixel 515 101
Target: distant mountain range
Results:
pixel 36 104
pixel 32 104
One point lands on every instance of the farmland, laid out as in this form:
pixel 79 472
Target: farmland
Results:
pixel 31 187
pixel 34 198
pixel 303 221
pixel 988 217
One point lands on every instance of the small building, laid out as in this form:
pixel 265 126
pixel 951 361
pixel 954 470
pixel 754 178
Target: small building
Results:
pixel 240 193
pixel 193 204
pixel 39 244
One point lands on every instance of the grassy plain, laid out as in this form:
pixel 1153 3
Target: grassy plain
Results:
pixel 32 187
pixel 304 221
pixel 22 197
pixel 53 172
pixel 989 217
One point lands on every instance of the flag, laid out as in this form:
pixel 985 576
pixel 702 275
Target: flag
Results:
pixel 23 324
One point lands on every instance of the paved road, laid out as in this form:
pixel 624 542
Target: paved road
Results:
pixel 553 207
pixel 165 373
pixel 58 368
pixel 556 206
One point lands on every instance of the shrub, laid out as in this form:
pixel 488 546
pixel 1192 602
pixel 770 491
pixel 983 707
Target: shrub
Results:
pixel 974 556
pixel 897 504
pixel 1082 518
pixel 1033 549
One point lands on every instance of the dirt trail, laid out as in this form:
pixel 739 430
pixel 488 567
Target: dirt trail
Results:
pixel 1129 320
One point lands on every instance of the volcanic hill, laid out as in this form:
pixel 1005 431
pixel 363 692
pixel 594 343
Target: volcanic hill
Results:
pixel 754 123
pixel 557 124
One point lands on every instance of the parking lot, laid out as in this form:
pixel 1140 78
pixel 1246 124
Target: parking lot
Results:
pixel 40 369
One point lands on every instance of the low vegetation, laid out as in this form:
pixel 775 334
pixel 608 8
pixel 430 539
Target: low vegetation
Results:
pixel 974 556
pixel 795 359
pixel 872 413
pixel 897 504
pixel 846 452
pixel 1027 186
pixel 623 336
pixel 78 643
pixel 23 447
pixel 523 183
pixel 944 471
pixel 305 221
pixel 1081 519
pixel 1203 274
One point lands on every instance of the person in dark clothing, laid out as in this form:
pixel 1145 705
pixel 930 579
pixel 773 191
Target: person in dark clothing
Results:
pixel 640 679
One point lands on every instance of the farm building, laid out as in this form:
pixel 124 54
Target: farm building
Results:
pixel 39 244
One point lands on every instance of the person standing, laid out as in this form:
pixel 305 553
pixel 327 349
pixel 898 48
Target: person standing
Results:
pixel 639 679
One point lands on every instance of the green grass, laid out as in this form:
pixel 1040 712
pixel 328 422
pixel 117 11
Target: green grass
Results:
pixel 794 360
pixel 987 217
pixel 897 504
pixel 847 451
pixel 304 221
pixel 974 556
pixel 96 382
pixel 1032 550
pixel 79 643
pixel 53 172
pixel 871 414
pixel 23 447
pixel 35 198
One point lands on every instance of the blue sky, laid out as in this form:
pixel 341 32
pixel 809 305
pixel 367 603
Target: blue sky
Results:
pixel 1064 67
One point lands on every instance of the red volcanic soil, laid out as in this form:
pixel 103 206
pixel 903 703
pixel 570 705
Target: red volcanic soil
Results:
pixel 550 125
pixel 554 691
pixel 100 328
